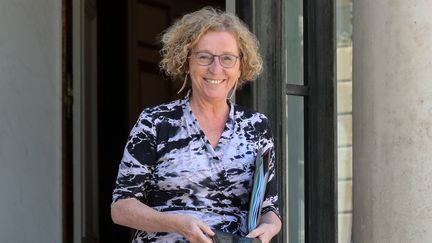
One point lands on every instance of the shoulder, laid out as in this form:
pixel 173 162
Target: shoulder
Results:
pixel 243 113
pixel 254 120
pixel 172 111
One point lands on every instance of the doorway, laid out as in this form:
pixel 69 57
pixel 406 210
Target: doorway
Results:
pixel 128 81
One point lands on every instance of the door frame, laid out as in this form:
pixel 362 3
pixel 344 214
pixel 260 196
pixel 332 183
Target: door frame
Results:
pixel 80 104
pixel 67 123
pixel 270 94
pixel 84 122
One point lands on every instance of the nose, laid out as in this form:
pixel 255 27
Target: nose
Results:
pixel 216 67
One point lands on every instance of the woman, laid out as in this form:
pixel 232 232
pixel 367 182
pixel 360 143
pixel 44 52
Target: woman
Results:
pixel 187 166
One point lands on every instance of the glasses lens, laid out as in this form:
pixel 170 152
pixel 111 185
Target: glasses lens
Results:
pixel 227 60
pixel 204 58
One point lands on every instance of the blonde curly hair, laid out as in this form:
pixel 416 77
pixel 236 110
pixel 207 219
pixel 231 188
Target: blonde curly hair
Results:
pixel 179 39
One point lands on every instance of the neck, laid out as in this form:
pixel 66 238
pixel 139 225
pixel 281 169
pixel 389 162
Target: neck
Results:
pixel 209 109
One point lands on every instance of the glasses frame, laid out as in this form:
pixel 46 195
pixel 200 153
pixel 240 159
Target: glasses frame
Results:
pixel 214 57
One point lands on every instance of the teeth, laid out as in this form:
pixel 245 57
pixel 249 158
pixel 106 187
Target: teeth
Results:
pixel 214 81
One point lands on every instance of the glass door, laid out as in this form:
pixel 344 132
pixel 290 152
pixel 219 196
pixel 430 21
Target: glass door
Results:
pixel 296 91
pixel 309 71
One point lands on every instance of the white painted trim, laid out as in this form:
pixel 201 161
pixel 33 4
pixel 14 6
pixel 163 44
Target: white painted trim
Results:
pixel 230 6
pixel 85 171
pixel 77 12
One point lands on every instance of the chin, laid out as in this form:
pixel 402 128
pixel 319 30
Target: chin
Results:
pixel 216 96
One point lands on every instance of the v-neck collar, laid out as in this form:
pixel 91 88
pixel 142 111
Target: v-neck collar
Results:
pixel 226 135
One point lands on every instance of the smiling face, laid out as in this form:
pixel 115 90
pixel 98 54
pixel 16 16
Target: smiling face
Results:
pixel 213 82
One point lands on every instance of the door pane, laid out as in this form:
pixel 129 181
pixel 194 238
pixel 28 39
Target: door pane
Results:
pixel 344 118
pixel 295 155
pixel 294 41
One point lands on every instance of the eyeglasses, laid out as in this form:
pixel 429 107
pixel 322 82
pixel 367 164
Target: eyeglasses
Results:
pixel 225 60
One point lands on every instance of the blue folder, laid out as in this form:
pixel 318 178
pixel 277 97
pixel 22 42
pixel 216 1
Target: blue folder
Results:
pixel 259 184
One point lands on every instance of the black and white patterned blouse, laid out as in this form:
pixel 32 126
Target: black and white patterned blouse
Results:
pixel 169 165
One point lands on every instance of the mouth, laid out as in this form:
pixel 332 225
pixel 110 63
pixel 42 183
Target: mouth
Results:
pixel 214 81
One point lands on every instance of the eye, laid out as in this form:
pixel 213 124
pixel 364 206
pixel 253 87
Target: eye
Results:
pixel 204 56
pixel 228 58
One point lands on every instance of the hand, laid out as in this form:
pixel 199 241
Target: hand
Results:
pixel 264 232
pixel 194 230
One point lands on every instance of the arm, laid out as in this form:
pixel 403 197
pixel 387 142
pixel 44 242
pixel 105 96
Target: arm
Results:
pixel 269 226
pixel 134 214
pixel 133 180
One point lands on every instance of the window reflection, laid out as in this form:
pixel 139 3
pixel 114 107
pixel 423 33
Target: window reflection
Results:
pixel 295 155
pixel 294 41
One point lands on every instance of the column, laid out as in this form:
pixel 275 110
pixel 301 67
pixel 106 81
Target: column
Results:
pixel 392 121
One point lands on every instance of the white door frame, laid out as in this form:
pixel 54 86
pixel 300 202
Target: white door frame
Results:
pixel 85 161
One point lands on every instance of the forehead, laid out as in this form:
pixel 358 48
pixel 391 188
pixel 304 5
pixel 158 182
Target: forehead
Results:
pixel 217 42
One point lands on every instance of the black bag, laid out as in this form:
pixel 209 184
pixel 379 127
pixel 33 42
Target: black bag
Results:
pixel 222 237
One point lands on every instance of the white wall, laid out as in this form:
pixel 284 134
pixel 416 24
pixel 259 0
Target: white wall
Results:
pixel 30 121
pixel 392 121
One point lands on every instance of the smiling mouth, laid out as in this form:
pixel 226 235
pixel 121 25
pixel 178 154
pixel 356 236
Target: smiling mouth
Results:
pixel 214 81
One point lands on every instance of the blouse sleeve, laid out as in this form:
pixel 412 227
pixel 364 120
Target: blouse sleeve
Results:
pixel 271 200
pixel 136 166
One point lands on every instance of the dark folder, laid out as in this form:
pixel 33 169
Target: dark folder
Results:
pixel 222 237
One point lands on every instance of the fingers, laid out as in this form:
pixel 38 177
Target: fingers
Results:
pixel 195 231
pixel 203 235
pixel 261 232
pixel 255 233
pixel 204 238
pixel 200 237
pixel 207 230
